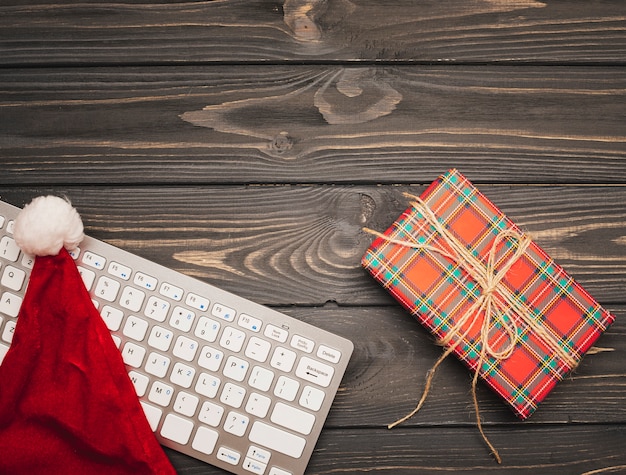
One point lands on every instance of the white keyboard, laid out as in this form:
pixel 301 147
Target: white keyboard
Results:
pixel 220 378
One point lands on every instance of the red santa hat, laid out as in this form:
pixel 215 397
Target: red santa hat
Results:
pixel 67 405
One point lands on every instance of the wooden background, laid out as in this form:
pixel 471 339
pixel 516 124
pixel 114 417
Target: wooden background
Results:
pixel 247 142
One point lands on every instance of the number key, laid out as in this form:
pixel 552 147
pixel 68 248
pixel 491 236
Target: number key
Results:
pixel 107 288
pixel 132 299
pixel 232 339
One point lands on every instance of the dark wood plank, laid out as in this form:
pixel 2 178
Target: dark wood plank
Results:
pixel 286 245
pixel 312 124
pixel 568 450
pixel 134 32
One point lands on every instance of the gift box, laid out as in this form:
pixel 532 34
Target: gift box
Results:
pixel 486 291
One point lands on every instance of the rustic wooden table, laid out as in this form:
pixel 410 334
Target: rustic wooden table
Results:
pixel 247 143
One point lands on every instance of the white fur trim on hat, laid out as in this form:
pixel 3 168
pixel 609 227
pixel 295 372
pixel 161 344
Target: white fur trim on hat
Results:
pixel 46 225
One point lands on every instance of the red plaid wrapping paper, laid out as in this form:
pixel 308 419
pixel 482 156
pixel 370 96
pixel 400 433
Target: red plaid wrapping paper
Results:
pixel 561 320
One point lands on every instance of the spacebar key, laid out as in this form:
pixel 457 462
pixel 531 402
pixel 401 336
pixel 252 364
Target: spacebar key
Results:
pixel 277 439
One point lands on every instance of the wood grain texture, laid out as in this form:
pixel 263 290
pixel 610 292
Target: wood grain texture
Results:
pixel 302 244
pixel 246 143
pixel 312 124
pixel 569 450
pixel 454 31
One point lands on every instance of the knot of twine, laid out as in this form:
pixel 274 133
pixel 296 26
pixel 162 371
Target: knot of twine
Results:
pixel 496 302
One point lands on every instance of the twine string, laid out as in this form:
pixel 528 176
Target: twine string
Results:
pixel 496 303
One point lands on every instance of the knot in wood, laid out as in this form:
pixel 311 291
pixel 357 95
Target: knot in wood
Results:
pixel 281 143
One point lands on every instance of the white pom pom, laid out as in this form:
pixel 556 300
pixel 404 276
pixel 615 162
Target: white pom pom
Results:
pixel 46 225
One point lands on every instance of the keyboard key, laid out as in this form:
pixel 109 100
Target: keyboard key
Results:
pixel 275 333
pixel 328 354
pixel 171 291
pixel 207 329
pixel 258 405
pixel 278 471
pixel 185 348
pixel 133 354
pixel 197 302
pixel 153 414
pixel 208 385
pixel 160 338
pixel 132 298
pixel 13 278
pixel 145 281
pixel 182 375
pixel 277 439
pixel 233 395
pixel 88 276
pixel 182 318
pixel 232 339
pixel 93 260
pixel 186 404
pixel 107 288
pixel 117 341
pixel 74 253
pixel 140 381
pixel 211 414
pixel 303 344
pixel 157 364
pixel 10 304
pixel 228 455
pixel 161 393
pixel 314 371
pixel 259 454
pixel 254 466
pixel 112 317
pixel 261 378
pixel 249 323
pixel 258 349
pixel 157 309
pixel 286 388
pixel 7 333
pixel 283 359
pixel 135 328
pixel 236 423
pixel 292 418
pixel 210 358
pixel 8 249
pixel 3 351
pixel 312 398
pixel 119 270
pixel 223 312
pixel 177 428
pixel 28 261
pixel 205 440
pixel 236 368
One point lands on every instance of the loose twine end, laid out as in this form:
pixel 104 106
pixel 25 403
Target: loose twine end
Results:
pixel 429 379
pixel 594 350
pixel 479 424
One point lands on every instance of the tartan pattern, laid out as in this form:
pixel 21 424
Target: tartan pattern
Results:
pixel 437 291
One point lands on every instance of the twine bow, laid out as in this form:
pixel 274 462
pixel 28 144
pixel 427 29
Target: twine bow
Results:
pixel 496 303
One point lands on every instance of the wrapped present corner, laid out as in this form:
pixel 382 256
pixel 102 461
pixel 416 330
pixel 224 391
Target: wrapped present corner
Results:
pixel 486 291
